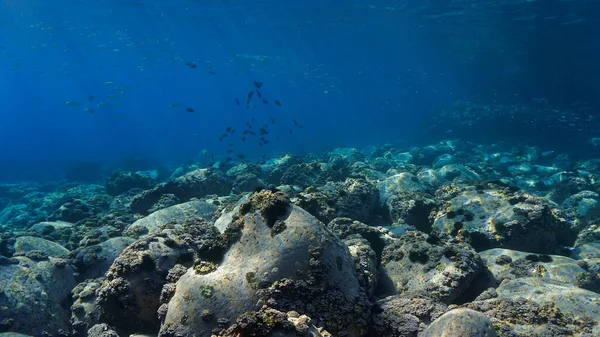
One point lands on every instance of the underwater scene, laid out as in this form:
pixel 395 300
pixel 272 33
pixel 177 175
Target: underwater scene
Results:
pixel 351 168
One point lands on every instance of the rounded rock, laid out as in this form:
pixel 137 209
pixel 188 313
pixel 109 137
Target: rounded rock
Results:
pixel 461 322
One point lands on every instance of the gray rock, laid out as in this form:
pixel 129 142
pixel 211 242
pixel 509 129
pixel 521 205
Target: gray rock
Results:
pixel 490 216
pixel 130 294
pixel 24 244
pixel 504 264
pixel 404 316
pixel 261 256
pixel 156 221
pixel 45 227
pixel 101 330
pixel 354 198
pixel 36 290
pixel 413 266
pixel 567 297
pixel 195 184
pixel 536 307
pixel 93 261
pixel 582 208
pixel 461 322
pixel 402 182
pixel 458 173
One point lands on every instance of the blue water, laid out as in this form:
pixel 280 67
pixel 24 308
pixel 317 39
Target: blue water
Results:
pixel 351 73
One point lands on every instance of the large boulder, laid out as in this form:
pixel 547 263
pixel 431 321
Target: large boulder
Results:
pixel 504 264
pixel 156 221
pixel 123 181
pixel 489 216
pixel 461 322
pixel 281 256
pixel 128 297
pixel 354 198
pixel 419 265
pixel 537 307
pixel 33 293
pixel 197 183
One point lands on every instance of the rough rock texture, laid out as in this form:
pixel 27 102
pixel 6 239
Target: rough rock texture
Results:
pixel 417 264
pixel 582 208
pixel 24 244
pixel 94 260
pixel 365 261
pixel 246 177
pixel 197 183
pixel 461 322
pixel 280 256
pixel 566 297
pixel 156 221
pixel 101 330
pixel 273 323
pixel 72 211
pixel 398 316
pixel 412 208
pixel 35 289
pixel 491 216
pixel 129 295
pixel 521 314
pixel 354 198
pixel 504 264
pixel 404 182
pixel 122 181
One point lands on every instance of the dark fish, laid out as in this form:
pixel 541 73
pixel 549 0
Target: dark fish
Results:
pixel 91 98
pixel 243 139
pixel 228 129
pixel 290 131
pixel 273 120
pixel 250 94
pixel 278 103
pixel 258 94
pixel 252 133
pixel 191 65
pixel 295 122
pixel 212 72
pixel 228 159
pixel 237 101
pixel 230 151
pixel 265 101
pixel 189 110
pixel 241 156
pixel 257 84
pixel 263 131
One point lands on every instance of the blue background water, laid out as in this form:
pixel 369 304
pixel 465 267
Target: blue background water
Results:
pixel 352 73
